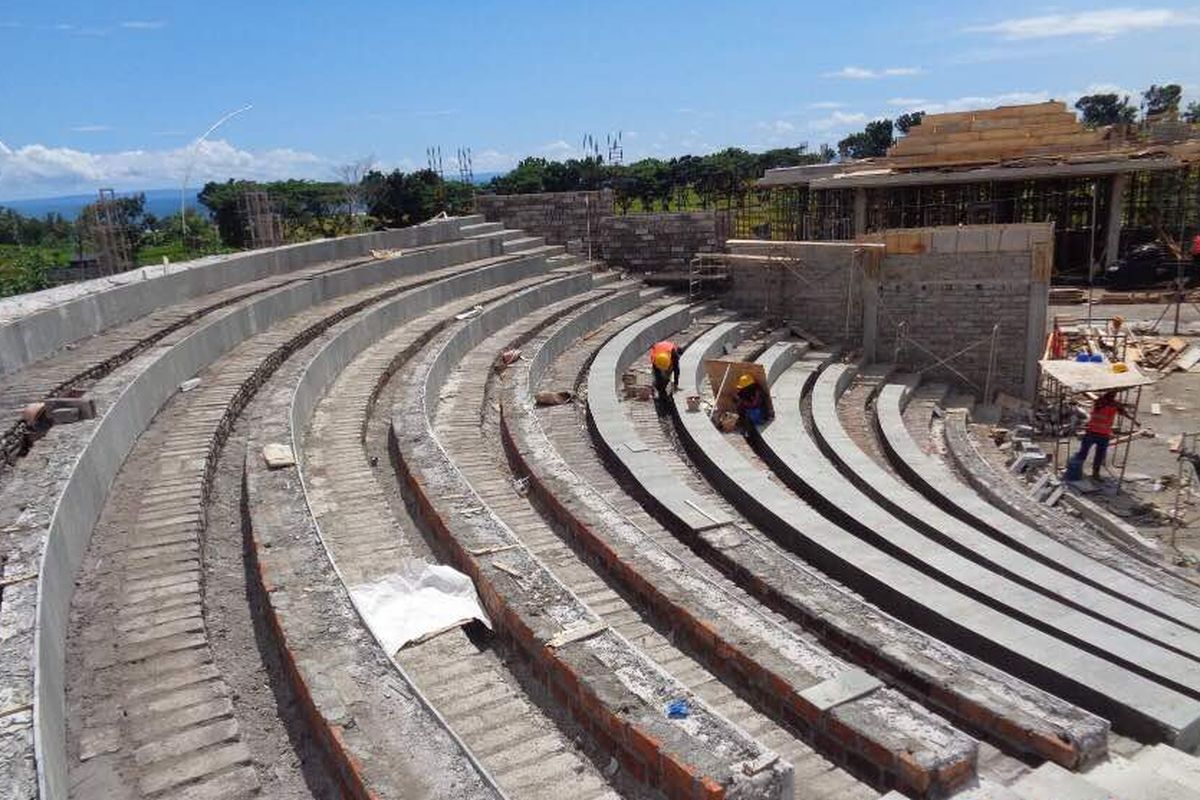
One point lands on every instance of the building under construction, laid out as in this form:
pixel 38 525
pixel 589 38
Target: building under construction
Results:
pixel 1106 190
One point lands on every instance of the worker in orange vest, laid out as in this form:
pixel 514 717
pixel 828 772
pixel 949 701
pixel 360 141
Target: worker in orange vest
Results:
pixel 664 363
pixel 1099 430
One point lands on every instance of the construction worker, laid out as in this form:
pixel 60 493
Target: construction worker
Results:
pixel 1099 430
pixel 751 402
pixel 664 362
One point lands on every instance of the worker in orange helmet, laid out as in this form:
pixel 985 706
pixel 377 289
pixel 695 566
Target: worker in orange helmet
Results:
pixel 752 406
pixel 664 363
pixel 1099 430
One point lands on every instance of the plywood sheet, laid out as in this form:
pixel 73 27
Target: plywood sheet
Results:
pixel 722 377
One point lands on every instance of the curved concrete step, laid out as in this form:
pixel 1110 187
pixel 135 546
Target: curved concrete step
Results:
pixel 751 652
pixel 1025 580
pixel 968 690
pixel 1000 488
pixel 948 614
pixel 610 686
pixel 939 486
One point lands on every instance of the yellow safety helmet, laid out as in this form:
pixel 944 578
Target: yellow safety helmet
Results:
pixel 744 381
pixel 1119 367
pixel 662 360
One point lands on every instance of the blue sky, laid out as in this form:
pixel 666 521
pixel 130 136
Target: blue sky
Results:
pixel 113 94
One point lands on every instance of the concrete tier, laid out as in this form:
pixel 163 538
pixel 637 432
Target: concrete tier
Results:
pixel 968 690
pixel 394 746
pixel 1125 604
pixel 857 542
pixel 785 674
pixel 610 686
pixel 941 488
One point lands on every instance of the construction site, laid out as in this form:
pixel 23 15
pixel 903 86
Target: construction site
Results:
pixel 415 513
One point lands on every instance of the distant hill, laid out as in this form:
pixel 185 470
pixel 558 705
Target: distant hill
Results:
pixel 160 202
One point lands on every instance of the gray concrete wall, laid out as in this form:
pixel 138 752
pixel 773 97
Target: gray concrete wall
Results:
pixel 816 285
pixel 559 217
pixel 927 298
pixel 83 497
pixel 656 242
pixel 38 324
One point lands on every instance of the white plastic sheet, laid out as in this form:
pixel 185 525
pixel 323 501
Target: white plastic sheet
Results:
pixel 421 601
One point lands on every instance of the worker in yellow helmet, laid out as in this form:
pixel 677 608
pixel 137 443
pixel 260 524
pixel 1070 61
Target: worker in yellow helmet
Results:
pixel 664 363
pixel 752 406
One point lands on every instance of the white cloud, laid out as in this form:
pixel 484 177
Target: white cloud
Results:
pixel 91 128
pixel 492 160
pixel 827 104
pixel 860 73
pixel 144 24
pixel 1100 23
pixel 838 120
pixel 906 102
pixel 777 127
pixel 36 170
pixel 558 149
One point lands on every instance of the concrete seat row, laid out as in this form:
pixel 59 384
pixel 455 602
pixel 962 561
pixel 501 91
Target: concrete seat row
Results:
pixel 1062 574
pixel 1109 544
pixel 393 745
pixel 609 686
pixel 878 554
pixel 91 452
pixel 846 711
pixel 975 695
pixel 939 487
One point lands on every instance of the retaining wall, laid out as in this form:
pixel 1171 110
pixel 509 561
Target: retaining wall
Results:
pixel 657 242
pixel 38 324
pixel 558 217
pixel 637 242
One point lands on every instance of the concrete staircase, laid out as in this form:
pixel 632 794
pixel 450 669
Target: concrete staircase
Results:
pixel 1159 772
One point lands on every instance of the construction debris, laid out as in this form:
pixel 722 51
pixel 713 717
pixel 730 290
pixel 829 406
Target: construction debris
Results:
pixel 558 398
pixel 278 456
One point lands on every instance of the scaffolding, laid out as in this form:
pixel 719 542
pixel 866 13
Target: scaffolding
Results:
pixel 1066 386
pixel 109 234
pixel 263 225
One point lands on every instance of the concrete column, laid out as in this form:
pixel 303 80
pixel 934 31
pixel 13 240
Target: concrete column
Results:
pixel 1040 267
pixel 1112 232
pixel 870 303
pixel 860 211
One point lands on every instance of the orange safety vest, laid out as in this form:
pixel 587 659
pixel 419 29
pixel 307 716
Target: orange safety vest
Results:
pixel 663 347
pixel 1102 418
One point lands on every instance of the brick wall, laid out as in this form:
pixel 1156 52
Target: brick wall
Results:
pixel 560 217
pixel 948 303
pixel 656 242
pixel 815 285
pixel 917 296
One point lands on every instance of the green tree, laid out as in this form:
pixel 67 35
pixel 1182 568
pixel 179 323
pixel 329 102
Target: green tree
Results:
pixel 871 142
pixel 1097 110
pixel 906 122
pixel 1162 99
pixel 24 269
pixel 1192 114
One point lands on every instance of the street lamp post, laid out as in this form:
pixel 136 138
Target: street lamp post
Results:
pixel 187 173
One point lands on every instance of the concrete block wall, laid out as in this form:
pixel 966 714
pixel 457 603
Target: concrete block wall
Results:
pixel 939 304
pixel 559 217
pixel 637 242
pixel 818 286
pixel 656 242
pixel 917 296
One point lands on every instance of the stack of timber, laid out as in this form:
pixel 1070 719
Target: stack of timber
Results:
pixel 998 134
